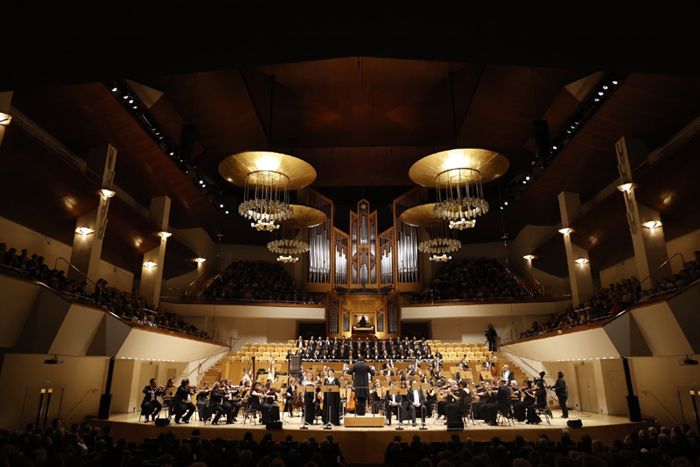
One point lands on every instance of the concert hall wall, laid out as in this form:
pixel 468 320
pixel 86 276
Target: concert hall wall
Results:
pixel 23 375
pixel 17 236
pixel 685 244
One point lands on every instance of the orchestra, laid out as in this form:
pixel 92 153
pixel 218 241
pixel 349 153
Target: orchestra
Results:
pixel 416 388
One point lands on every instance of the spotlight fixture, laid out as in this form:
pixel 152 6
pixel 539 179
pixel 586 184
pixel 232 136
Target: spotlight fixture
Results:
pixel 106 193
pixel 615 82
pixel 529 257
pixel 150 265
pixel 627 187
pixel 5 119
pixel 115 89
pixel 566 231
pixel 582 261
pixel 165 235
pixel 84 231
pixel 652 225
pixel 199 260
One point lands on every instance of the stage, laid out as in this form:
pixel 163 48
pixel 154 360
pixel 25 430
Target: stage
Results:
pixel 367 445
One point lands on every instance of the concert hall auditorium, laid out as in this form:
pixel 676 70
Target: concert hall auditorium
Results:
pixel 302 235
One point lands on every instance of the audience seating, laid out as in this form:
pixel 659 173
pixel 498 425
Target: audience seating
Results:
pixel 473 279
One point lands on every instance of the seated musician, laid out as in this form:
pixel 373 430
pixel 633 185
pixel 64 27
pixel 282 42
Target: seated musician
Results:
pixel 169 395
pixel 150 405
pixel 500 404
pixel 529 400
pixel 202 399
pixel 184 408
pixel 269 408
pixel 394 403
pixel 375 398
pixel 216 402
pixel 255 398
pixel 232 401
pixel 416 403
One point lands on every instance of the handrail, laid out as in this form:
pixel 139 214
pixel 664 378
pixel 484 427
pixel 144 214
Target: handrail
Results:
pixel 523 285
pixel 70 265
pixel 664 264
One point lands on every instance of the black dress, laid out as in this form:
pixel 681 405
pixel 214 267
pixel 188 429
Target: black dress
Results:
pixel 331 403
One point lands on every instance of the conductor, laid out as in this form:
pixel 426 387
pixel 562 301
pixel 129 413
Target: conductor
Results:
pixel 361 373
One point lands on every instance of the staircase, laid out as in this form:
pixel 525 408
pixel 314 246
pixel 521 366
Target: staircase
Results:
pixel 520 374
pixel 214 373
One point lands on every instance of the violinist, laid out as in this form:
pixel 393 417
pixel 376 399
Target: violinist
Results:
pixel 269 408
pixel 184 408
pixel 255 398
pixel 202 399
pixel 233 401
pixel 290 396
pixel 150 405
pixel 216 401
pixel 529 401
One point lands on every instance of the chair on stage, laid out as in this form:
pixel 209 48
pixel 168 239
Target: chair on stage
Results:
pixel 544 411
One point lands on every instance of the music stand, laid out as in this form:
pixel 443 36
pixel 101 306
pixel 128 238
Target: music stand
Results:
pixel 303 406
pixel 329 388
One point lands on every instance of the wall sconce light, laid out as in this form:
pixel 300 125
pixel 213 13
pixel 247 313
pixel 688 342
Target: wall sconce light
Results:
pixel 529 258
pixel 582 261
pixel 106 193
pixel 199 260
pixel 566 231
pixel 652 225
pixel 5 119
pixel 165 235
pixel 84 231
pixel 150 265
pixel 627 187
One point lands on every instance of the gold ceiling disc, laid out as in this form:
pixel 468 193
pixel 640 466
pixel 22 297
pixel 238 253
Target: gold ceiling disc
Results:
pixel 420 216
pixel 237 167
pixel 305 216
pixel 490 164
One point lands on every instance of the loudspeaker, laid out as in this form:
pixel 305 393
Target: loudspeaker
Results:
pixel 574 423
pixel 274 425
pixel 162 421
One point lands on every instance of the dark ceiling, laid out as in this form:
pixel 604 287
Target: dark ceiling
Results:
pixel 247 80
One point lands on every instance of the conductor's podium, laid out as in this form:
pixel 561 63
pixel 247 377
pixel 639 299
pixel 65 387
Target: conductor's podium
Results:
pixel 363 421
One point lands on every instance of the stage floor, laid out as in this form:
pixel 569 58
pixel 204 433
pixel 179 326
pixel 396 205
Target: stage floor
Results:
pixel 367 445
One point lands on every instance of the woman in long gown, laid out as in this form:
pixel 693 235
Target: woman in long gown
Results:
pixel 331 401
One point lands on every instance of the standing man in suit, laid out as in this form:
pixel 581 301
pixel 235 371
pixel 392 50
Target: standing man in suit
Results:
pixel 361 373
pixel 562 394
pixel 507 374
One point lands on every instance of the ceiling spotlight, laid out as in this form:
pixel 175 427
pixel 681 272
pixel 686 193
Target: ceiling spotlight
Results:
pixel 627 187
pixel 201 182
pixel 114 89
pixel 5 119
pixel 165 234
pixel 226 211
pixel 505 203
pixel 204 185
pixel 554 148
pixel 134 107
pixel 527 178
pixel 529 257
pixel 652 225
pixel 84 231
pixel 582 261
pixel 605 88
pixel 568 131
pixel 615 82
pixel 501 208
pixel 106 193
pixel 199 260
pixel 221 205
pixel 131 101
pixel 524 182
pixel 172 153
pixel 150 265
pixel 597 99
pixel 600 93
pixel 566 231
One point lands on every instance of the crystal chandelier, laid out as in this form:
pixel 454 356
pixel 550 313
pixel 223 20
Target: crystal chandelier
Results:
pixel 460 197
pixel 440 241
pixel 267 178
pixel 290 241
pixel 458 176
pixel 265 200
